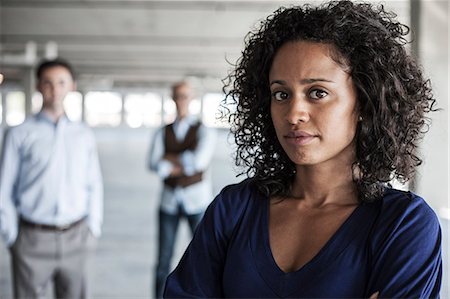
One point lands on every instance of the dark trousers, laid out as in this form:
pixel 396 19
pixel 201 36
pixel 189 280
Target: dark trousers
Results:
pixel 168 226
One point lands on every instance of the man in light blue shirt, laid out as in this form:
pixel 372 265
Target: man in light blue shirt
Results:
pixel 51 193
pixel 180 154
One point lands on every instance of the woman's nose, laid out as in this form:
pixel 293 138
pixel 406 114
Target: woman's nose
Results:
pixel 298 111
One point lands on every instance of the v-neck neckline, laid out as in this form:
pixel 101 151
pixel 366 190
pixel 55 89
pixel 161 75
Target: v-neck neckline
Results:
pixel 274 276
pixel 327 244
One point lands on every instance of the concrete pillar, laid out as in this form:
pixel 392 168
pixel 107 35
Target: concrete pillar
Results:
pixel 202 99
pixel 3 94
pixel 415 8
pixel 163 113
pixel 122 111
pixel 432 179
pixel 83 106
pixel 29 84
pixel 414 19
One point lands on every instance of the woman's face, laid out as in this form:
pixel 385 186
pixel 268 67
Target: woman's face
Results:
pixel 313 105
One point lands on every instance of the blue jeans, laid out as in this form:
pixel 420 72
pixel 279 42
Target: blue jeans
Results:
pixel 168 225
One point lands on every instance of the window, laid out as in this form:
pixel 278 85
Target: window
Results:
pixel 15 108
pixel 170 110
pixel 143 110
pixel 103 108
pixel 73 104
pixel 195 107
pixel 211 113
pixel 36 102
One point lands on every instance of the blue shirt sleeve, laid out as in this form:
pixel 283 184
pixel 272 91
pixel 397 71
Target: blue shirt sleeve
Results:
pixel 199 273
pixel 155 161
pixel 199 159
pixel 9 169
pixel 95 210
pixel 406 252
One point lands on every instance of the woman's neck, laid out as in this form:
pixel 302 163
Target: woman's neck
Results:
pixel 320 185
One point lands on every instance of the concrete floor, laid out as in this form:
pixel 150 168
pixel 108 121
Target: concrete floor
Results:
pixel 126 253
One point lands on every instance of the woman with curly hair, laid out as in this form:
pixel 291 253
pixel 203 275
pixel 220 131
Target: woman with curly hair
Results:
pixel 330 108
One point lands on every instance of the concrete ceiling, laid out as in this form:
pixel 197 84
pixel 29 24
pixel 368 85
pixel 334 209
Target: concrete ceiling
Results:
pixel 117 44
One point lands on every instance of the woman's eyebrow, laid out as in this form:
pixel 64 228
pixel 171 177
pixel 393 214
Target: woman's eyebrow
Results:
pixel 281 82
pixel 303 81
pixel 313 80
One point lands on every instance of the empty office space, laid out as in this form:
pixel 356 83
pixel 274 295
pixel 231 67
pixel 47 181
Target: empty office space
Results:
pixel 129 59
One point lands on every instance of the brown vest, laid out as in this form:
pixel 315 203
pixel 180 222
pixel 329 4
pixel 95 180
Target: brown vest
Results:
pixel 172 145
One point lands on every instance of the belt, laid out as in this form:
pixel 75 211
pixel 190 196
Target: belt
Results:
pixel 59 228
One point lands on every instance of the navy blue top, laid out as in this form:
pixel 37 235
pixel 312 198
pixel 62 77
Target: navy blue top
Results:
pixel 392 246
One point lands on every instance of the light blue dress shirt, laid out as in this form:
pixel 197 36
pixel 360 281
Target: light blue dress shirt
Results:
pixel 195 198
pixel 49 174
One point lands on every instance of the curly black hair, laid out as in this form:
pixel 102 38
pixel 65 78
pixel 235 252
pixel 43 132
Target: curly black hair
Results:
pixel 393 95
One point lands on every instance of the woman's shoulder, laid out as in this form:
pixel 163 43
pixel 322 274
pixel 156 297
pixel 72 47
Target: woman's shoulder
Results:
pixel 245 187
pixel 237 196
pixel 231 206
pixel 405 204
pixel 403 213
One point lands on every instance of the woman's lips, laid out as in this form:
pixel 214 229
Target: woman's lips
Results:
pixel 299 137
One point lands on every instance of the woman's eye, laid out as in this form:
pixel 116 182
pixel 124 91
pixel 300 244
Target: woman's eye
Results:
pixel 317 94
pixel 280 95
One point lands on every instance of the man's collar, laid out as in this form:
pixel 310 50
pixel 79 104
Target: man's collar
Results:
pixel 190 119
pixel 44 116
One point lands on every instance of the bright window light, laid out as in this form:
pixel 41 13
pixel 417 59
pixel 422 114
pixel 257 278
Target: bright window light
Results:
pixel 36 102
pixel 103 108
pixel 143 110
pixel 73 104
pixel 170 110
pixel 211 102
pixel 195 107
pixel 15 108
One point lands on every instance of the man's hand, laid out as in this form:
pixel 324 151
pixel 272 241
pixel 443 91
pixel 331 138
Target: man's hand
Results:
pixel 177 169
pixel 374 295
